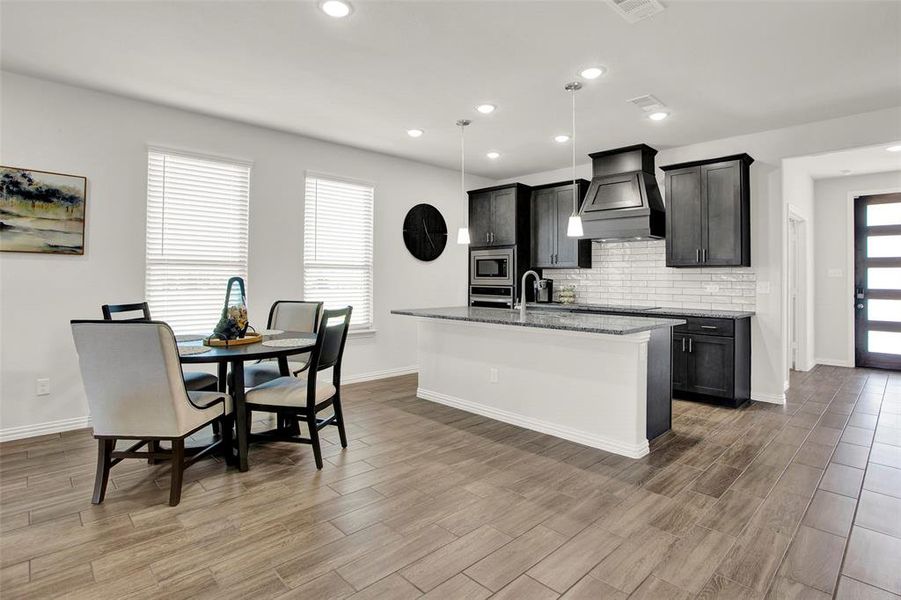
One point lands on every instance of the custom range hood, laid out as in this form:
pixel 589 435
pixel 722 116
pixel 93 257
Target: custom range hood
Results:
pixel 623 201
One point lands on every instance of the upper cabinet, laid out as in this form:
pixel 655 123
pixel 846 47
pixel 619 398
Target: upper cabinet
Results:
pixel 552 206
pixel 708 208
pixel 499 216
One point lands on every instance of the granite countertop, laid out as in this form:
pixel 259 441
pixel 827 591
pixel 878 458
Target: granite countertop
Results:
pixel 661 311
pixel 545 319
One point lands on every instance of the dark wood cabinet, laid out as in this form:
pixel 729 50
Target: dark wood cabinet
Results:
pixel 499 216
pixel 715 364
pixel 708 207
pixel 552 205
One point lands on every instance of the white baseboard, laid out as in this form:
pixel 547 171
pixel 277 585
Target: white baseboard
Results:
pixel 27 431
pixel 770 398
pixel 384 374
pixel 573 435
pixel 834 362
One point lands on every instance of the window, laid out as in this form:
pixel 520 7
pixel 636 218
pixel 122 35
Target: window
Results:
pixel 196 236
pixel 337 246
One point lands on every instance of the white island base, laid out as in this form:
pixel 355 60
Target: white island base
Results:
pixel 590 388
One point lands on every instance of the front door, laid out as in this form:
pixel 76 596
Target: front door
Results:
pixel 877 272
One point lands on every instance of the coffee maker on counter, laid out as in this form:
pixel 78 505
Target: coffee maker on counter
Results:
pixel 544 290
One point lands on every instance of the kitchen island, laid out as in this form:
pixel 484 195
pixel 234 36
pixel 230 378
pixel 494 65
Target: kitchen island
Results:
pixel 600 380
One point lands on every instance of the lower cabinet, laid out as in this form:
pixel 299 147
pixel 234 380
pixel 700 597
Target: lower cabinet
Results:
pixel 712 360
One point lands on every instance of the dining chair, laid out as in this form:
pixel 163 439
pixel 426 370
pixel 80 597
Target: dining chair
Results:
pixel 287 315
pixel 194 380
pixel 132 378
pixel 293 398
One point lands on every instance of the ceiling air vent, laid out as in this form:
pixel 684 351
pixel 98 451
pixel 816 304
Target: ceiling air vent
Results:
pixel 634 11
pixel 647 103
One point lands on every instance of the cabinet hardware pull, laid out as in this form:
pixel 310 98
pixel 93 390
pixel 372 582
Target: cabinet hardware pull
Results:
pixel 705 254
pixel 708 327
pixel 698 255
pixel 689 345
pixel 683 344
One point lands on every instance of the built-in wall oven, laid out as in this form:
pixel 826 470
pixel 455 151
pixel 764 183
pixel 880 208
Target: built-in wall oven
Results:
pixel 492 278
pixel 492 267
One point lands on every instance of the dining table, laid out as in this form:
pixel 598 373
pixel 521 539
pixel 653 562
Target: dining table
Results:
pixel 192 350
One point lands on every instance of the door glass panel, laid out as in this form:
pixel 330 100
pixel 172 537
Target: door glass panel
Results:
pixel 884 310
pixel 884 214
pixel 886 342
pixel 883 245
pixel 884 278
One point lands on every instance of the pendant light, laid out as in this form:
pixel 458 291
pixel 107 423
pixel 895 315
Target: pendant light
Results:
pixel 574 226
pixel 463 232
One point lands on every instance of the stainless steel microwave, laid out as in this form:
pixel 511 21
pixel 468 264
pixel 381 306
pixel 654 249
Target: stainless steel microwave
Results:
pixel 492 267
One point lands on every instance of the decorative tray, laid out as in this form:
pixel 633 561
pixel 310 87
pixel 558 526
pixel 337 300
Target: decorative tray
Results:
pixel 250 338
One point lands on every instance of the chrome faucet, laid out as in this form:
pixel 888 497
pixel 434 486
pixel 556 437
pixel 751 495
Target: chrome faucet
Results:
pixel 522 297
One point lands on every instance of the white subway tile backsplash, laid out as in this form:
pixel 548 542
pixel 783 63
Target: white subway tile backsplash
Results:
pixel 635 274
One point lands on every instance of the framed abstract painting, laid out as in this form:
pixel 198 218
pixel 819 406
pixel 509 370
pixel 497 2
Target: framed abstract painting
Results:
pixel 41 211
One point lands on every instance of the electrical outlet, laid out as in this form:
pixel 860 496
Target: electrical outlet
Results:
pixel 42 387
pixel 834 273
pixel 492 375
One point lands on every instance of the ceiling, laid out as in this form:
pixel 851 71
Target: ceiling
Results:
pixel 856 161
pixel 722 68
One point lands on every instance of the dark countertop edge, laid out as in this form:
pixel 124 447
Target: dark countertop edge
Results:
pixel 413 312
pixel 662 310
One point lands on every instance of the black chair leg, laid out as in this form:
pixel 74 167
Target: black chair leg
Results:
pixel 228 450
pixel 104 463
pixel 314 439
pixel 178 471
pixel 152 446
pixel 339 419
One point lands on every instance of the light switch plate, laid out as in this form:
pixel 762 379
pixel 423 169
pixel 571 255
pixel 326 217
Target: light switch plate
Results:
pixel 492 375
pixel 42 387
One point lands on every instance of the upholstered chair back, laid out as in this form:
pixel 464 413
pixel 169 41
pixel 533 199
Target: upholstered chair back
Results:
pixel 133 379
pixel 295 315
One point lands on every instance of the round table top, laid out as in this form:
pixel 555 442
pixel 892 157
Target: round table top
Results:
pixel 255 351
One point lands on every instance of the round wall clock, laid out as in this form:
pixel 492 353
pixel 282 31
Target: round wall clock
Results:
pixel 425 232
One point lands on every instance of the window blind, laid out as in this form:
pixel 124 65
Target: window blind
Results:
pixel 337 264
pixel 197 215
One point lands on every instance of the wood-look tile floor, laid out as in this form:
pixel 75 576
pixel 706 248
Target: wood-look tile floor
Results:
pixel 794 501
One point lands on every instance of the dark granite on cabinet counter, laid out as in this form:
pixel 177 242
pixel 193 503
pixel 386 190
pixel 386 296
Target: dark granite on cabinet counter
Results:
pixel 557 320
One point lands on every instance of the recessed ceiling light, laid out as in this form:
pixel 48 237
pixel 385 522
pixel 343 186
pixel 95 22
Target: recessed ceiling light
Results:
pixel 561 139
pixel 493 155
pixel 336 8
pixel 593 72
pixel 658 116
pixel 896 148
pixel 486 109
pixel 415 133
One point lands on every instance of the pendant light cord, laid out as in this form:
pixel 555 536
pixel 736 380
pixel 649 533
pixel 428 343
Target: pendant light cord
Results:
pixel 575 191
pixel 463 175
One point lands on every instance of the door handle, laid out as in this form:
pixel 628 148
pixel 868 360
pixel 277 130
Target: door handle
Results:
pixel 689 345
pixel 487 237
pixel 683 344
pixel 698 255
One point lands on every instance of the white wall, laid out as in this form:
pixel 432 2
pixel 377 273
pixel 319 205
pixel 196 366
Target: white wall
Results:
pixel 833 248
pixel 768 214
pixel 49 126
pixel 797 192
